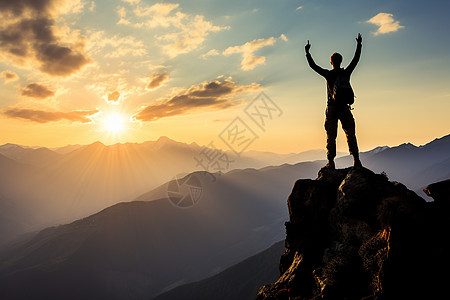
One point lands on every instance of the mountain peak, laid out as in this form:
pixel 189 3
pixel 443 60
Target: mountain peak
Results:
pixel 164 141
pixel 10 145
pixel 164 138
pixel 378 149
pixel 96 144
pixel 408 146
pixel 353 234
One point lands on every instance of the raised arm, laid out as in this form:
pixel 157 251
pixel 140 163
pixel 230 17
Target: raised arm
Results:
pixel 357 55
pixel 311 62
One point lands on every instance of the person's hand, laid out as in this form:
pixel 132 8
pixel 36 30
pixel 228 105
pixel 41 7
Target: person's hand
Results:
pixel 359 39
pixel 307 47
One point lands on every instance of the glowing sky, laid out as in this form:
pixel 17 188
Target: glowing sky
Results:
pixel 187 69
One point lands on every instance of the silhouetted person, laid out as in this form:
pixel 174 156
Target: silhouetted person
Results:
pixel 338 110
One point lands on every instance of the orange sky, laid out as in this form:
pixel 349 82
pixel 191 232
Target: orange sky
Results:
pixel 74 72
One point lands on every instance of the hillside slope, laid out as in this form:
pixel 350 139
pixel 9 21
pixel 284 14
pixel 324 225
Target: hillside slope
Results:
pixel 240 281
pixel 138 249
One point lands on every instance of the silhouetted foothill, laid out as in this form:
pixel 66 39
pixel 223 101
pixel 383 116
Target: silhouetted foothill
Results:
pixel 353 234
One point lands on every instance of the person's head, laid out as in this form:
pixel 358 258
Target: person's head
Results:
pixel 336 60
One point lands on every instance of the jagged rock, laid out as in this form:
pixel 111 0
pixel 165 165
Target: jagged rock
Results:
pixel 292 278
pixel 353 234
pixel 440 192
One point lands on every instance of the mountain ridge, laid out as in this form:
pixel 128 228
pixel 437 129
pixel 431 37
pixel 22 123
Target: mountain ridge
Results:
pixel 83 181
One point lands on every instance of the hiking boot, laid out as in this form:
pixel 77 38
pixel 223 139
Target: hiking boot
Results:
pixel 330 165
pixel 357 163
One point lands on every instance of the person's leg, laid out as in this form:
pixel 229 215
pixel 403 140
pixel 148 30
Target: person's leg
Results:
pixel 331 124
pixel 348 124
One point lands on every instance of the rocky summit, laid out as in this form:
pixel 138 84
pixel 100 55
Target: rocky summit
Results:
pixel 354 234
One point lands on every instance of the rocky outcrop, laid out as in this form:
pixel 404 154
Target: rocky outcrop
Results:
pixel 353 234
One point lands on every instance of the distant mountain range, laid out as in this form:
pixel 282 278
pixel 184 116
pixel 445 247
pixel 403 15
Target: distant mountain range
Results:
pixel 249 159
pixel 63 184
pixel 139 249
pixel 38 157
pixel 414 166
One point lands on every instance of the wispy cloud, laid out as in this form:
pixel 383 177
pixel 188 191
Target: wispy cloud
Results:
pixel 122 12
pixel 190 30
pixel 132 1
pixel 212 52
pixel 9 76
pixel 92 6
pixel 29 34
pixel 116 46
pixel 249 59
pixel 38 91
pixel 107 83
pixel 190 37
pixel 44 116
pixel 385 23
pixel 212 95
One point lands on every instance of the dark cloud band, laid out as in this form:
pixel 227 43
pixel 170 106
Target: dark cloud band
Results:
pixel 43 116
pixel 213 95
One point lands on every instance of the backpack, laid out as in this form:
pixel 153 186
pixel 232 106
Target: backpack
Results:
pixel 342 92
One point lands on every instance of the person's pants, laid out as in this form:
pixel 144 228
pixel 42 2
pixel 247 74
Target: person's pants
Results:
pixel 332 115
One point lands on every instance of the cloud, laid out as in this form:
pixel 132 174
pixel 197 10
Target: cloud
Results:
pixel 249 60
pixel 116 45
pixel 190 37
pixel 159 14
pixel 131 1
pixel 157 80
pixel 385 23
pixel 213 95
pixel 212 52
pixel 43 116
pixel 113 97
pixel 9 76
pixel 18 8
pixel 36 90
pixel 122 12
pixel 28 35
pixel 106 83
pixel 283 37
pixel 92 6
pixel 190 30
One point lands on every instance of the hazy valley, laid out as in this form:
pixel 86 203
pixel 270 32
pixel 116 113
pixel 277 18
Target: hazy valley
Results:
pixel 144 245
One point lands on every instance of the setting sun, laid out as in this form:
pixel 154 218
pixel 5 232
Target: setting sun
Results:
pixel 114 123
